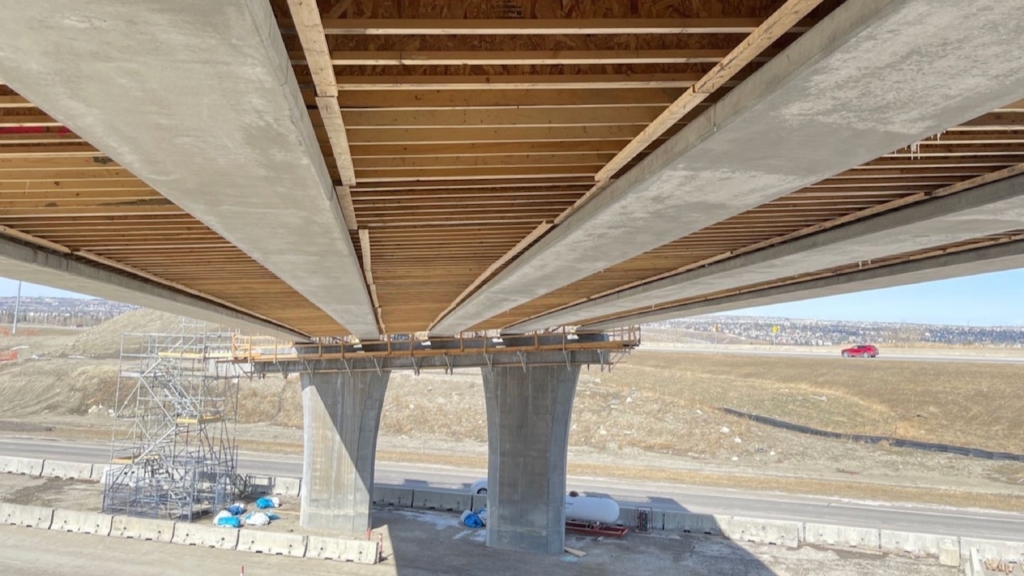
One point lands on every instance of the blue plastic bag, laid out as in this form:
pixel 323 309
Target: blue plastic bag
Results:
pixel 236 509
pixel 264 503
pixel 230 521
pixel 471 520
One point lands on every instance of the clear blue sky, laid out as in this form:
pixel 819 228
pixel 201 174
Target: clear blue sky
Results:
pixel 983 300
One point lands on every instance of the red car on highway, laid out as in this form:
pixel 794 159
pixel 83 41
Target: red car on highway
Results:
pixel 860 351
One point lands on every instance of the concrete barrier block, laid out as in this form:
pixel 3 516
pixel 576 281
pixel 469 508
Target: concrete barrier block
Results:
pixel 81 522
pixel 286 486
pixel 27 516
pixel 627 516
pixel 915 543
pixel 391 496
pixel 993 549
pixel 358 551
pixel 205 536
pixel 692 523
pixel 69 470
pixel 273 543
pixel 437 500
pixel 845 536
pixel 98 472
pixel 949 556
pixel 778 532
pixel 16 465
pixel 142 528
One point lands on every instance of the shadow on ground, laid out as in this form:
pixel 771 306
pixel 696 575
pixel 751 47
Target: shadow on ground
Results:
pixel 420 543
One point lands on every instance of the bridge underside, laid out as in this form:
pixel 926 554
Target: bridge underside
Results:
pixel 514 167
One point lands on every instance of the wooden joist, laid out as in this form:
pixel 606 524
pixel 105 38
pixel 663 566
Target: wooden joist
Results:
pixel 750 50
pixel 538 27
pixel 521 58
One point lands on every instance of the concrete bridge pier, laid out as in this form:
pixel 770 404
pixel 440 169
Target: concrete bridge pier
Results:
pixel 341 415
pixel 528 412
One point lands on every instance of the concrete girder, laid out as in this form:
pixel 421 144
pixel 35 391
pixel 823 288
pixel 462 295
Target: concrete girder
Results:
pixel 872 77
pixel 996 258
pixel 989 209
pixel 199 100
pixel 40 267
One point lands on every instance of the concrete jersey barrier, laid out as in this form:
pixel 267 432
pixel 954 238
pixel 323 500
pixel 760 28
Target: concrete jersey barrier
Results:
pixel 358 551
pixel 205 536
pixel 69 470
pixel 81 522
pixel 844 536
pixel 272 543
pixel 778 532
pixel 15 465
pixel 915 543
pixel 142 528
pixel 27 516
pixel 437 500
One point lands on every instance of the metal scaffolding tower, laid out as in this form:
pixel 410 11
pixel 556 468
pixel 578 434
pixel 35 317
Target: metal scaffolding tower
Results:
pixel 179 390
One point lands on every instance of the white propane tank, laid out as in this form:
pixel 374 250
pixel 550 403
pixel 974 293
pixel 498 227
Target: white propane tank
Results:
pixel 591 509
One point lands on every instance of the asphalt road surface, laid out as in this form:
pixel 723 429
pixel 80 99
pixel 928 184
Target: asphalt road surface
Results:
pixel 884 355
pixel 765 505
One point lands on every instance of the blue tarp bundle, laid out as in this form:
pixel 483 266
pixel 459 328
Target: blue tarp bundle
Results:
pixel 231 521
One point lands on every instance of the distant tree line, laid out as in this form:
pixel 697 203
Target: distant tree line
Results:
pixel 67 312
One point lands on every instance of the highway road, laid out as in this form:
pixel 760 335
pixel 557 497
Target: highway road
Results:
pixel 885 355
pixel 927 519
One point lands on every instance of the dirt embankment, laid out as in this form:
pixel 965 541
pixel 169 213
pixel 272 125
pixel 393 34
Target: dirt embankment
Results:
pixel 658 410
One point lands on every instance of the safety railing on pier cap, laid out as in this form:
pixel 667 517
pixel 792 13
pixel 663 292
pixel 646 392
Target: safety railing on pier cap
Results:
pixel 269 349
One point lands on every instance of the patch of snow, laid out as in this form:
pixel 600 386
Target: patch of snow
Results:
pixel 440 521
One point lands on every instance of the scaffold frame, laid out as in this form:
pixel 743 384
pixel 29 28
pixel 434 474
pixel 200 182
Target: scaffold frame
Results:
pixel 179 391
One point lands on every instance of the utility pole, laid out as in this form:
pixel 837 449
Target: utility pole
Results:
pixel 17 304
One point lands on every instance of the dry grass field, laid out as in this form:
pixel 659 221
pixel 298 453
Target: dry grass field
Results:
pixel 654 416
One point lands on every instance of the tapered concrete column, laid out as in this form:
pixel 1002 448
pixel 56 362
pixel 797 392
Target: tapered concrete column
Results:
pixel 528 435
pixel 341 415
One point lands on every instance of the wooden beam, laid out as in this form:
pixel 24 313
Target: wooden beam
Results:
pixel 519 82
pixel 310 28
pixel 360 151
pixel 9 139
pixel 535 27
pixel 523 244
pixel 535 182
pixel 101 173
pixel 60 150
pixel 525 117
pixel 996 120
pixel 502 99
pixel 474 173
pixel 493 134
pixel 748 51
pixel 308 25
pixel 15 102
pixel 27 121
pixel 522 58
pixel 56 164
pixel 347 209
pixel 524 160
pixel 330 115
pixel 364 244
